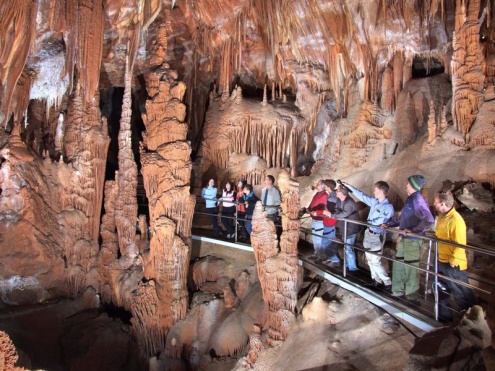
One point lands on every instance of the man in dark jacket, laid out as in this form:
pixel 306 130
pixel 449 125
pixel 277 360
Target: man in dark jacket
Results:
pixel 249 200
pixel 346 208
pixel 415 217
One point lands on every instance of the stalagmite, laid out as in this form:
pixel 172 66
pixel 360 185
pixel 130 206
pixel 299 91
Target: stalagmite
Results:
pixel 126 180
pixel 265 98
pixel 166 169
pixel 432 125
pixel 277 270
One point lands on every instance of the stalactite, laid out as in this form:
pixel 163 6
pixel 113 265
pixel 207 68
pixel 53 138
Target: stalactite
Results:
pixel 90 31
pixel 467 75
pixel 398 71
pixel 388 91
pixel 18 25
pixel 432 125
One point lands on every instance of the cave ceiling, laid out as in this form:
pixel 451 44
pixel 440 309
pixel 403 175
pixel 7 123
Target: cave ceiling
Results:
pixel 253 42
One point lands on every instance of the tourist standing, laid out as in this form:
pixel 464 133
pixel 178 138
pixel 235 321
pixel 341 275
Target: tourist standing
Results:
pixel 228 208
pixel 381 211
pixel 270 197
pixel 452 261
pixel 209 194
pixel 415 217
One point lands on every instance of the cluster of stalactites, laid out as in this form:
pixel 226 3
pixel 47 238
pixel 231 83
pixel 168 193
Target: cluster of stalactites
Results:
pixel 251 131
pixel 278 268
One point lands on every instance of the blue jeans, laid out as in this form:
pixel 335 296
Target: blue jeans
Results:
pixel 248 224
pixel 350 256
pixel 317 231
pixel 329 248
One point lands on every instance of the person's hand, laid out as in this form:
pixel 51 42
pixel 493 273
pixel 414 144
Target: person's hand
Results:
pixel 327 213
pixel 383 226
pixel 406 232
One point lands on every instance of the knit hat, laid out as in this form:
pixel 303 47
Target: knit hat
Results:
pixel 416 181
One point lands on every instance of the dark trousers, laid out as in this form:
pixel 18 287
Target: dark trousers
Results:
pixel 463 296
pixel 228 219
pixel 241 216
pixel 213 215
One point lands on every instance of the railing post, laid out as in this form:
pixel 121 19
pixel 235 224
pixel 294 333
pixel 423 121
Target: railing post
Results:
pixel 428 260
pixel 345 246
pixel 436 282
pixel 235 221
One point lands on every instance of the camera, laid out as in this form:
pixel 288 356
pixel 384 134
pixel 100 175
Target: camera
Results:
pixel 340 183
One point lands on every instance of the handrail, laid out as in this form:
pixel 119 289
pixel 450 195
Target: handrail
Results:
pixel 432 248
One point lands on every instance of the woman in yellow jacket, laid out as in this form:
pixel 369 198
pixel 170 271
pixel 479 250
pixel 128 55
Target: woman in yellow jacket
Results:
pixel 452 261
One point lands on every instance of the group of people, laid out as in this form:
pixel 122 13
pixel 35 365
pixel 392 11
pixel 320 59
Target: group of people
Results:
pixel 332 202
pixel 242 200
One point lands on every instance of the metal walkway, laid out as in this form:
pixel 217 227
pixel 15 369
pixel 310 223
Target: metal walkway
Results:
pixel 385 301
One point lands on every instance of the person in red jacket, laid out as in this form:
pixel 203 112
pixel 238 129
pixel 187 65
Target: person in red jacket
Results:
pixel 329 247
pixel 318 204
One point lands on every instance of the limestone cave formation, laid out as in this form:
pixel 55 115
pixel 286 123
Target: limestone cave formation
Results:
pixel 114 115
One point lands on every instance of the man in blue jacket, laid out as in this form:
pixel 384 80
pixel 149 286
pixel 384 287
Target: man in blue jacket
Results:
pixel 381 211
pixel 415 217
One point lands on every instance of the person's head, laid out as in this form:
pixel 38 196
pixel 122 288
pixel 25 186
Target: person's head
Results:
pixel 211 183
pixel 381 190
pixel 320 186
pixel 269 181
pixel 329 184
pixel 444 201
pixel 228 187
pixel 414 183
pixel 241 184
pixel 342 192
pixel 248 188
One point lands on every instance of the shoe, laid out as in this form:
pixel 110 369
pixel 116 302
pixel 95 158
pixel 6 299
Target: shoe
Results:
pixel 398 295
pixel 331 264
pixel 352 270
pixel 229 236
pixel 313 257
pixel 374 284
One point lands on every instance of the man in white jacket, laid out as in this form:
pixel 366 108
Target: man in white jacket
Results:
pixel 381 211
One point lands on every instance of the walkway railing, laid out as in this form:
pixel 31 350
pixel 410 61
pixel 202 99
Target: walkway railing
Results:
pixel 429 269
